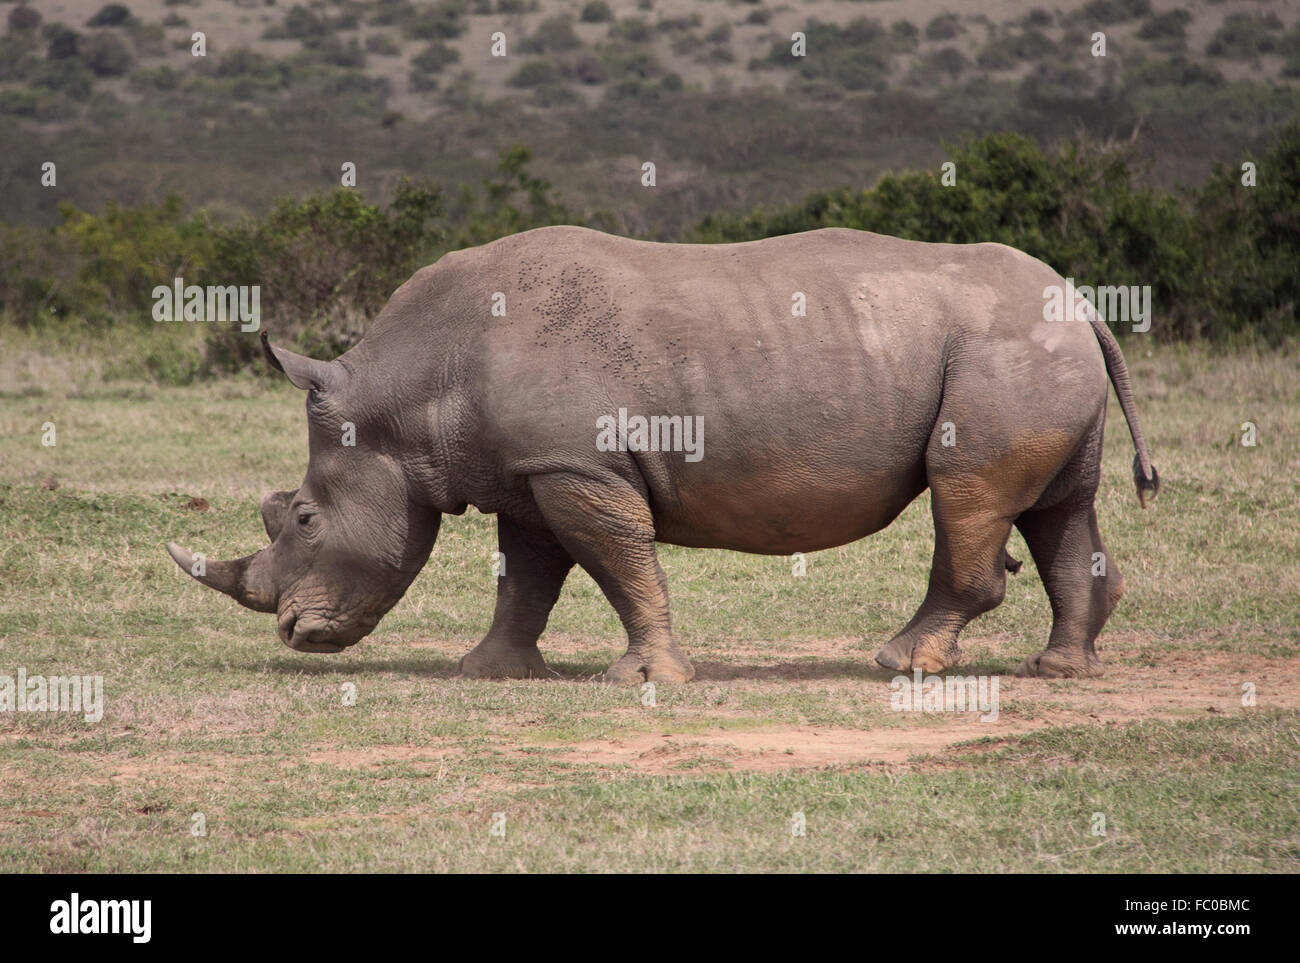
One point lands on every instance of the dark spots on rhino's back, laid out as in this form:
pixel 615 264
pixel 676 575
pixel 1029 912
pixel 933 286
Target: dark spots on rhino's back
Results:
pixel 578 308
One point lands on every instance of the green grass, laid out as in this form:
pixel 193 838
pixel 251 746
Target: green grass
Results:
pixel 205 711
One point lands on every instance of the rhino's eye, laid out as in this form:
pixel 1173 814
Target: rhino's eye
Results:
pixel 304 518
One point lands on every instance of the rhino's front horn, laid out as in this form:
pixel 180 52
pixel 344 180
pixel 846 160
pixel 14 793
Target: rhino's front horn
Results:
pixel 247 580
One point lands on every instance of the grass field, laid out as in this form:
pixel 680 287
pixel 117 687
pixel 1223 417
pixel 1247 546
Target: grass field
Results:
pixel 206 712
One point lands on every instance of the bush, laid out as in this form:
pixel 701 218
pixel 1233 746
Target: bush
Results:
pixel 1249 281
pixel 382 44
pixel 338 54
pixel 1012 50
pixel 1115 11
pixel 1244 36
pixel 23 19
pixel 63 43
pixel 632 30
pixel 904 36
pixel 949 61
pixel 944 27
pixel 157 78
pixel 112 15
pixel 679 24
pixel 588 70
pixel 17 59
pixel 854 56
pixel 107 55
pixel 553 35
pixel 69 76
pixel 596 11
pixel 301 23
pixel 443 21
pixel 1168 29
pixel 537 72
pixel 99 267
pixel 324 265
pixel 435 57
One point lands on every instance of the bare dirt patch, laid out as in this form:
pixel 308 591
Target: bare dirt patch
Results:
pixel 1178 686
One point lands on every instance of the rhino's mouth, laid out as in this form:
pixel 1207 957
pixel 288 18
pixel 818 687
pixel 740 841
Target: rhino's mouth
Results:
pixel 302 636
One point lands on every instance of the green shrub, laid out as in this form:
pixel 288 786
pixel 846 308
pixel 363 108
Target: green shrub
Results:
pixel 944 27
pixel 63 43
pixel 904 36
pixel 946 61
pixel 1115 11
pixel 1010 51
pixel 335 52
pixel 17 59
pixel 435 57
pixel 382 44
pixel 852 56
pixel 301 23
pixel 553 35
pixel 587 69
pixel 324 264
pixel 1167 30
pixel 157 78
pixel 111 15
pixel 679 25
pixel 23 19
pixel 537 72
pixel 95 268
pixel 596 11
pixel 1244 36
pixel 1249 280
pixel 442 21
pixel 107 55
pixel 632 30
pixel 391 13
pixel 69 76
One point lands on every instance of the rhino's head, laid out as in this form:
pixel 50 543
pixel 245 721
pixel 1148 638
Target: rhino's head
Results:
pixel 347 544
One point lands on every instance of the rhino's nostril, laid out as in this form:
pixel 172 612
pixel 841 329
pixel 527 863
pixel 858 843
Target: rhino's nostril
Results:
pixel 287 622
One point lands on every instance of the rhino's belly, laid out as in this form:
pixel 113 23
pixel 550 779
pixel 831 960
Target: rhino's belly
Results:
pixel 779 511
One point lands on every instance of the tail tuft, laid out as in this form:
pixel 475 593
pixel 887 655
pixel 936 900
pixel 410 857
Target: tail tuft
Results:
pixel 1145 484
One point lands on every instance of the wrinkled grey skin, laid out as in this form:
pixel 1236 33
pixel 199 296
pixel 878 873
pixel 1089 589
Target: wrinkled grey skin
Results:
pixel 818 430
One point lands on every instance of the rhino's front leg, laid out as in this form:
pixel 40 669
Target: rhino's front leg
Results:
pixel 607 526
pixel 535 566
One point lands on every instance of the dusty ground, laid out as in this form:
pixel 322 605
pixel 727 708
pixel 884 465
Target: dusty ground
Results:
pixel 1173 686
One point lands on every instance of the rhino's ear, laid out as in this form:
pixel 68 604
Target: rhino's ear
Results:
pixel 305 373
pixel 275 509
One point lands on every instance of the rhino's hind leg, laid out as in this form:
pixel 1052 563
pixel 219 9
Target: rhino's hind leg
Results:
pixel 967 578
pixel 535 566
pixel 1082 584
pixel 607 527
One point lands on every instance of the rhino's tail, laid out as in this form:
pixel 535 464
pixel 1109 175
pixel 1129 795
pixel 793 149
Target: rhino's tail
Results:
pixel 1144 473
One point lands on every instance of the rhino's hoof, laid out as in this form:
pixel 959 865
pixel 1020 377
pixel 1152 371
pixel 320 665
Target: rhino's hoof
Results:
pixel 633 669
pixel 928 656
pixel 1060 664
pixel 890 658
pixel 503 663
